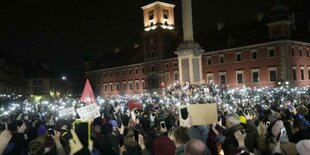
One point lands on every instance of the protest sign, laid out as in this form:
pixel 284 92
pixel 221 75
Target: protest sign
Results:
pixel 66 112
pixel 202 114
pixel 88 112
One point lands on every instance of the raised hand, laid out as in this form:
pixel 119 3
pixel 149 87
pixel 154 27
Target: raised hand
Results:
pixel 75 143
pixel 22 128
pixel 5 137
pixel 121 129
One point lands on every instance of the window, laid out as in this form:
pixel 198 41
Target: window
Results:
pixel 124 72
pixel 136 70
pixel 255 75
pixel 272 73
pixel 152 53
pixel 116 73
pixel 176 76
pixel 111 86
pixel 293 51
pixel 209 60
pixel 152 68
pixel 111 73
pixel 254 54
pixel 129 72
pixel 143 84
pixel 151 15
pixel 167 76
pixel 167 65
pixel 271 52
pixel 308 53
pixel 300 52
pixel 117 86
pixel 309 72
pixel 165 14
pixel 105 87
pixel 294 73
pixel 125 85
pixel 104 74
pixel 302 74
pixel 238 56
pixel 221 57
pixel 130 85
pixel 222 77
pixel 142 70
pixel 210 77
pixel 239 76
pixel 137 84
pixel 175 64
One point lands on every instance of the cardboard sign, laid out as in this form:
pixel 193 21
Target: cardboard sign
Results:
pixel 202 114
pixel 66 112
pixel 88 112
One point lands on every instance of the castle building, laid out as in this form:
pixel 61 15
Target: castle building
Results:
pixel 268 52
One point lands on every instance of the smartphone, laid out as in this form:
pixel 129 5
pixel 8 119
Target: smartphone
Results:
pixel 163 124
pixel 51 131
pixel 136 133
pixel 82 129
pixel 184 113
pixel 121 142
pixel 290 107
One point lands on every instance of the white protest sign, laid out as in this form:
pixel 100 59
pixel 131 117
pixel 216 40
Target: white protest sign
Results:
pixel 88 112
pixel 66 112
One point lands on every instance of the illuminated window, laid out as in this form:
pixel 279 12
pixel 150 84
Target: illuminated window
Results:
pixel 165 14
pixel 130 85
pixel 143 83
pixel 105 87
pixel 111 86
pixel 151 15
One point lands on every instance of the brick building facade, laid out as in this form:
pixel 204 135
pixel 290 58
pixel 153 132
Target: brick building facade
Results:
pixel 272 55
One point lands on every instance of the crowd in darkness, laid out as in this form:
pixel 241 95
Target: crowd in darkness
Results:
pixel 155 129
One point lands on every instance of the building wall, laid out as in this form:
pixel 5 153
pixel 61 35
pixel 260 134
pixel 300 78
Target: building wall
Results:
pixel 11 77
pixel 263 63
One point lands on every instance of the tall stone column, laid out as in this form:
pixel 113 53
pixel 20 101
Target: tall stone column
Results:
pixel 187 20
pixel 189 52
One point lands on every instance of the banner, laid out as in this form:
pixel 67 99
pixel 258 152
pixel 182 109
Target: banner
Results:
pixel 66 112
pixel 202 114
pixel 88 95
pixel 88 112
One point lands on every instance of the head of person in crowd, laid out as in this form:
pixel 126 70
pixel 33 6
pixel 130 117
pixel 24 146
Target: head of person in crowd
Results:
pixel 232 120
pixel 303 147
pixel 163 145
pixel 131 142
pixel 195 147
pixel 179 136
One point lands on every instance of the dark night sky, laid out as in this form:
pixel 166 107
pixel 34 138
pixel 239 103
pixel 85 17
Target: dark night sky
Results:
pixel 61 32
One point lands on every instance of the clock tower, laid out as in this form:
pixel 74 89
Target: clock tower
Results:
pixel 159 30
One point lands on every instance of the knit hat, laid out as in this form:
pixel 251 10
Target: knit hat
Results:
pixel 242 119
pixel 276 128
pixel 164 146
pixel 41 131
pixel 303 147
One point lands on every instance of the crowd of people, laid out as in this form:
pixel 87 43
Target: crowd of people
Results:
pixel 155 130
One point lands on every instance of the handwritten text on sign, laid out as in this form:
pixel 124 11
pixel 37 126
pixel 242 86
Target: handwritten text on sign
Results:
pixel 89 112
